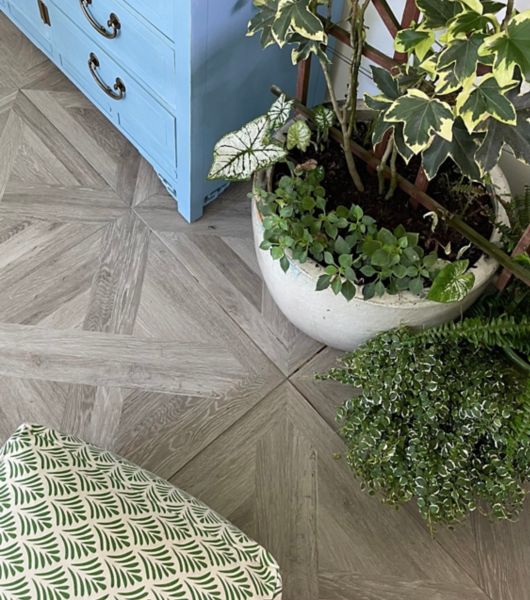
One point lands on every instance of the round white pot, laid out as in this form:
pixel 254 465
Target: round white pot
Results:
pixel 344 325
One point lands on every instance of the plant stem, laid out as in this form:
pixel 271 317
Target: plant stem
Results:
pixel 393 172
pixel 510 9
pixel 382 165
pixel 346 144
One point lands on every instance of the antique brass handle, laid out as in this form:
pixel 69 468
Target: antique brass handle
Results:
pixel 113 22
pixel 117 91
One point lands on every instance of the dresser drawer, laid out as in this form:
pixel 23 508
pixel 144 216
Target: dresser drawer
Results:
pixel 142 50
pixel 161 13
pixel 27 15
pixel 149 125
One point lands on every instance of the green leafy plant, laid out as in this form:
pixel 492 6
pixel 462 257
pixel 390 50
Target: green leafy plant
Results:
pixel 355 251
pixel 442 418
pixel 459 97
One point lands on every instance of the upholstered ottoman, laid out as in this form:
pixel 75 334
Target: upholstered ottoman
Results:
pixel 77 522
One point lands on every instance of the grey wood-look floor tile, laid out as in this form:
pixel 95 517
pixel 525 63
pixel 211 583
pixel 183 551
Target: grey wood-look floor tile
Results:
pixel 123 324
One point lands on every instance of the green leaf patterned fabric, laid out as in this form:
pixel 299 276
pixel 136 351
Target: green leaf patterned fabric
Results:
pixel 77 522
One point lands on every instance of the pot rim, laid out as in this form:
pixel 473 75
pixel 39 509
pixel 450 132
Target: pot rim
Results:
pixel 483 270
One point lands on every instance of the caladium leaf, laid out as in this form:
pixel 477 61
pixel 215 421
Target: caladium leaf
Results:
pixel 511 49
pixel 488 99
pixel 437 13
pixel 461 149
pixel 299 136
pixel 238 155
pixel 461 56
pixel 414 39
pixel 453 283
pixel 280 112
pixel 423 117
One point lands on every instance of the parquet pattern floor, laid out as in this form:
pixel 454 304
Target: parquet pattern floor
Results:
pixel 121 323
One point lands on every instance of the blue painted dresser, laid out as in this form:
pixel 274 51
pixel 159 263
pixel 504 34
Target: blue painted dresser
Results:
pixel 172 75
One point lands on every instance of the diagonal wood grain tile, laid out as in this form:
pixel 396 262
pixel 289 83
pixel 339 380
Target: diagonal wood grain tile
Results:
pixel 121 323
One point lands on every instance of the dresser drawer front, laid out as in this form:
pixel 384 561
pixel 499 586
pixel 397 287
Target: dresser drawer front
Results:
pixel 27 15
pixel 151 127
pixel 161 13
pixel 138 47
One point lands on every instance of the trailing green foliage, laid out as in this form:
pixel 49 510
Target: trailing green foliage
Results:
pixel 442 418
pixel 355 251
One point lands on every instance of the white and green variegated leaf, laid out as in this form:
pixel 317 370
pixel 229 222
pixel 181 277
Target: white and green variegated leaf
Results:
pixel 238 155
pixel 488 99
pixel 475 5
pixel 297 16
pixel 447 82
pixel 386 83
pixel 461 56
pixel 280 112
pixel 498 135
pixel 471 21
pixel 511 49
pixel 453 283
pixel 461 149
pixel 299 136
pixel 438 13
pixel 324 119
pixel 303 50
pixel 423 118
pixel 262 22
pixel 414 40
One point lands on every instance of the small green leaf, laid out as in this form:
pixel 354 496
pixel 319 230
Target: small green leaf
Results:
pixel 323 282
pixel 348 290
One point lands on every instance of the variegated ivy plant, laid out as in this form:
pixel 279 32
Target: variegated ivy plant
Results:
pixel 459 96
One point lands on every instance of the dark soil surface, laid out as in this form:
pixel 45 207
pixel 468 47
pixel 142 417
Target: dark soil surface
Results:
pixel 473 204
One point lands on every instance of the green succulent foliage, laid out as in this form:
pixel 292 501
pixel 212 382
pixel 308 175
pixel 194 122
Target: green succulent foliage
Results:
pixel 459 96
pixel 356 253
pixel 296 23
pixel 443 418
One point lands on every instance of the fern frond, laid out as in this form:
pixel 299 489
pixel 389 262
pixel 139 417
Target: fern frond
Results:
pixel 502 331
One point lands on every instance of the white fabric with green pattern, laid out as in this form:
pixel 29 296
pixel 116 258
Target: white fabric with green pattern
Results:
pixel 77 522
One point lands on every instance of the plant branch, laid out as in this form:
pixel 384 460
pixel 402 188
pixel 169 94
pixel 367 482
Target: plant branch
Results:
pixel 342 118
pixel 510 9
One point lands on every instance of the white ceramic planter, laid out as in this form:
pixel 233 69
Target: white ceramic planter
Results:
pixel 345 325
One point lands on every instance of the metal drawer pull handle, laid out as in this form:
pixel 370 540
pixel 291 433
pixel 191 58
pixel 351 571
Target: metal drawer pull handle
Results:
pixel 117 91
pixel 113 22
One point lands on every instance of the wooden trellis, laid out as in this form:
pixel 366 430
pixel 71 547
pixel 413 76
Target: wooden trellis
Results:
pixel 418 190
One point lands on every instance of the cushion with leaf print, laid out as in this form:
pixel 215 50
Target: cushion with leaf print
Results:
pixel 77 522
